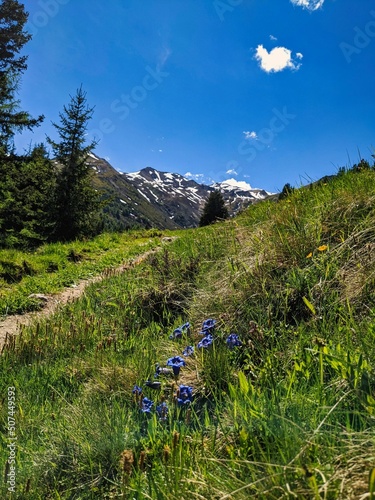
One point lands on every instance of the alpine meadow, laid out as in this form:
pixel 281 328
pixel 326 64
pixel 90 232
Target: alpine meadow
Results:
pixel 222 354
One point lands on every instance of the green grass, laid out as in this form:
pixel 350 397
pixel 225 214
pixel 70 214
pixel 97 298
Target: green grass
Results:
pixel 53 267
pixel 289 414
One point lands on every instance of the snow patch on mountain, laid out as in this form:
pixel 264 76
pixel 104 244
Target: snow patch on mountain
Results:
pixel 234 184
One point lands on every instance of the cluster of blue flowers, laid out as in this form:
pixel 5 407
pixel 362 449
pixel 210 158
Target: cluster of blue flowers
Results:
pixel 184 397
pixel 184 394
pixel 207 331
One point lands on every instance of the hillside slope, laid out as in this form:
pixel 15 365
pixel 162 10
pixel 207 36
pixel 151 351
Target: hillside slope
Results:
pixel 127 208
pixel 283 408
pixel 149 198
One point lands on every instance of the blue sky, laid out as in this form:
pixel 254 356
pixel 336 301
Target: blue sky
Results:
pixel 266 91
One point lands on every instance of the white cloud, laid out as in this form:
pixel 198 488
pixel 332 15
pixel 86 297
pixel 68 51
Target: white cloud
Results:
pixel 273 38
pixel 309 4
pixel 299 55
pixel 278 59
pixel 231 171
pixel 195 177
pixel 250 135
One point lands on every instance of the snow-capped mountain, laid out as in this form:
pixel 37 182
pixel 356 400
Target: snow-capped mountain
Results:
pixel 239 194
pixel 185 198
pixel 180 198
pixel 150 198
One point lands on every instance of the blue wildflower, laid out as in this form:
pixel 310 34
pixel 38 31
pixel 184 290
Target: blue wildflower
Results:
pixel 162 411
pixel 208 326
pixel 184 395
pixel 206 341
pixel 146 405
pixel 176 363
pixel 137 390
pixel 178 332
pixel 188 351
pixel 233 341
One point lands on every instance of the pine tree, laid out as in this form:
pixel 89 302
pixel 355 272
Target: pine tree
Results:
pixel 286 191
pixel 214 209
pixel 76 203
pixel 26 189
pixel 12 39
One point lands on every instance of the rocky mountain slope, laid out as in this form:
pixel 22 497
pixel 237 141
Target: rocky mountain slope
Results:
pixel 149 198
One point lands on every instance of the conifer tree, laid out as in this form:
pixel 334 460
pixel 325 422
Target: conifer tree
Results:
pixel 76 202
pixel 12 39
pixel 26 189
pixel 286 191
pixel 214 209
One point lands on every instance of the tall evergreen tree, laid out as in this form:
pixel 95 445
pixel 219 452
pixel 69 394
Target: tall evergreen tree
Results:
pixel 77 203
pixel 214 209
pixel 26 189
pixel 12 39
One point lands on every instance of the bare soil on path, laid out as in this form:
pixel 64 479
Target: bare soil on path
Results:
pixel 11 325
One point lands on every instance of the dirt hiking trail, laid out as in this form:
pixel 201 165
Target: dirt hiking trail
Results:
pixel 12 325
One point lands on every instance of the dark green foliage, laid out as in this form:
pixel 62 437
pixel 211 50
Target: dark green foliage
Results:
pixel 26 190
pixel 286 191
pixel 361 166
pixel 214 209
pixel 76 202
pixel 12 39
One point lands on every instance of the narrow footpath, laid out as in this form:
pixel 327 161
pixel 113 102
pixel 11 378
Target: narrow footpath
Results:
pixel 12 325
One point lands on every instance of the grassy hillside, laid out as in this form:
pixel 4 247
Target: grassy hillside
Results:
pixel 52 267
pixel 286 413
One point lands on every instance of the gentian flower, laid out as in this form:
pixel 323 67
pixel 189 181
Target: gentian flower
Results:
pixel 162 411
pixel 137 390
pixel 188 351
pixel 206 341
pixel 233 341
pixel 146 405
pixel 208 326
pixel 176 363
pixel 178 332
pixel 184 395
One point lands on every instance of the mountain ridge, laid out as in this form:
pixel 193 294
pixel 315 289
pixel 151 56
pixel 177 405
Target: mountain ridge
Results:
pixel 152 198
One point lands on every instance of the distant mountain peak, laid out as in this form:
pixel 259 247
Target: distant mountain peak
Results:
pixel 153 198
pixel 235 184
